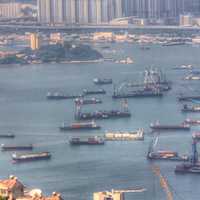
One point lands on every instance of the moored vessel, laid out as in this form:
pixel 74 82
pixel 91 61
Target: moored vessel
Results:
pixel 104 81
pixel 59 96
pixel 30 157
pixel 90 92
pixel 9 135
pixel 193 108
pixel 87 101
pixel 192 121
pixel 158 127
pixel 95 140
pixel 80 126
pixel 16 147
pixel 125 136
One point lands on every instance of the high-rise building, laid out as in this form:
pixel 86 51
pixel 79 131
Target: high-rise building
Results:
pixel 34 41
pixel 78 11
pixel 11 9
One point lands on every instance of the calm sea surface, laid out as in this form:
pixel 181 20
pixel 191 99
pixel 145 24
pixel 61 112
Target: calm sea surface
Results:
pixel 77 172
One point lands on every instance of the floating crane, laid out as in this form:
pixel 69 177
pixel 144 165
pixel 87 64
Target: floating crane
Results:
pixel 163 182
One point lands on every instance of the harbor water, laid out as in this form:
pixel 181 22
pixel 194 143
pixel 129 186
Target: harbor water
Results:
pixel 77 172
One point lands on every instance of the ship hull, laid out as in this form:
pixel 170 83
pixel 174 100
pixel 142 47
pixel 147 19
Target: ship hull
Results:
pixel 18 160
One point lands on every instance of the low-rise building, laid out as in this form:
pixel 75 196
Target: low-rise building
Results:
pixel 11 188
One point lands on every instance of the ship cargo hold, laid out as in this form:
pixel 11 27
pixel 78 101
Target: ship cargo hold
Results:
pixel 80 126
pixel 16 147
pixel 95 140
pixel 30 157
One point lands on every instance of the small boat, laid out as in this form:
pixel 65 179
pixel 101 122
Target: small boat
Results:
pixel 16 147
pixel 80 126
pixel 158 127
pixel 95 140
pixel 58 96
pixel 188 168
pixel 9 135
pixel 194 108
pixel 103 81
pixel 188 98
pixel 173 43
pixel 128 60
pixel 192 77
pixel 89 92
pixel 30 157
pixel 125 136
pixel 82 101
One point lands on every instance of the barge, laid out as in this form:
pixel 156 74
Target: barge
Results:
pixel 16 147
pixel 188 98
pixel 90 92
pixel 158 127
pixel 9 135
pixel 30 157
pixel 80 126
pixel 192 121
pixel 58 96
pixel 82 101
pixel 87 141
pixel 125 136
pixel 194 108
pixel 103 81
pixel 163 154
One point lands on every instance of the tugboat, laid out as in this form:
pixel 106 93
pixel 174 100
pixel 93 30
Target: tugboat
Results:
pixel 194 108
pixel 82 101
pixel 125 136
pixel 163 154
pixel 90 92
pixel 30 157
pixel 158 127
pixel 87 141
pixel 58 96
pixel 80 126
pixel 104 81
pixel 16 147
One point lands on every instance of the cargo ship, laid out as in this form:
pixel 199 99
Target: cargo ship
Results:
pixel 30 157
pixel 125 136
pixel 103 81
pixel 90 92
pixel 194 108
pixel 58 96
pixel 80 126
pixel 9 135
pixel 87 101
pixel 158 127
pixel 16 147
pixel 192 121
pixel 87 141
pixel 163 154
